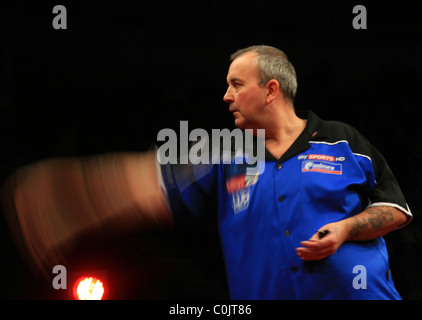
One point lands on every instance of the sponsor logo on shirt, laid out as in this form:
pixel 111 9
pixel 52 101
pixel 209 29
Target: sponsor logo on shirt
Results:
pixel 322 167
pixel 237 183
pixel 240 200
pixel 322 157
pixel 239 187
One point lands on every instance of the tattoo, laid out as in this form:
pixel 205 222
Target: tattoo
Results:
pixel 359 226
pixel 380 215
pixel 376 218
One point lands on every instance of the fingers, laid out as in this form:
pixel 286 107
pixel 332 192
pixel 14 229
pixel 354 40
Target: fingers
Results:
pixel 317 249
pixel 324 242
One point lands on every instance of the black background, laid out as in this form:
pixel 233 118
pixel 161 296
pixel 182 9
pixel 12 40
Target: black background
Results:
pixel 123 70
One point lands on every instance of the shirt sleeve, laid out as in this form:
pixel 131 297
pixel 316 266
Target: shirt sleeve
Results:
pixel 385 190
pixel 190 189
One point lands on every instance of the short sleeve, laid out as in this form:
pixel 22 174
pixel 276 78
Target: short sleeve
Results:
pixel 385 190
pixel 190 189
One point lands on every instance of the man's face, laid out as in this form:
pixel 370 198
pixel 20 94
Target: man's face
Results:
pixel 244 95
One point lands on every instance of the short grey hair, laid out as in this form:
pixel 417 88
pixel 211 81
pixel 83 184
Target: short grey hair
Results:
pixel 273 64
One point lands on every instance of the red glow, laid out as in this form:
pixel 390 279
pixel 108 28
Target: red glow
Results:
pixel 88 288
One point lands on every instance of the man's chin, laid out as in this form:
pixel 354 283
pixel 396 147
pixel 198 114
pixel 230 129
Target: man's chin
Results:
pixel 239 124
pixel 243 126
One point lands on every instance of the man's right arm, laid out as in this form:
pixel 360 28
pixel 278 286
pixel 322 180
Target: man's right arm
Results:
pixel 50 203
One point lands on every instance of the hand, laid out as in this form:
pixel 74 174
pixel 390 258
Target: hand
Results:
pixel 317 249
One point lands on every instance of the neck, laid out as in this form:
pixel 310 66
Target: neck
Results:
pixel 283 131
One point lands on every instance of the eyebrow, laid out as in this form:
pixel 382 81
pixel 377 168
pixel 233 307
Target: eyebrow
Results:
pixel 234 79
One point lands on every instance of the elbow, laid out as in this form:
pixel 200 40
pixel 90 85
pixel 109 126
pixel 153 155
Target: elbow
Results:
pixel 402 218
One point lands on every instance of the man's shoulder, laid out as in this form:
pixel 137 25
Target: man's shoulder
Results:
pixel 339 129
pixel 333 130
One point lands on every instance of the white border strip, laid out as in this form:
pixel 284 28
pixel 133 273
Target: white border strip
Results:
pixel 362 155
pixel 341 141
pixel 330 143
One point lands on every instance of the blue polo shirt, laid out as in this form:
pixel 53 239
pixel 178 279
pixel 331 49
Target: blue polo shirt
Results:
pixel 331 172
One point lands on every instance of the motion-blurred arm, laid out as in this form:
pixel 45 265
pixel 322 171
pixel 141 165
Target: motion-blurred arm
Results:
pixel 49 203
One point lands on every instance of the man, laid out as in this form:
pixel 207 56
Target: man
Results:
pixel 295 231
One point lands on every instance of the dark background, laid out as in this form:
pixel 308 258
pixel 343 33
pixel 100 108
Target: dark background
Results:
pixel 123 70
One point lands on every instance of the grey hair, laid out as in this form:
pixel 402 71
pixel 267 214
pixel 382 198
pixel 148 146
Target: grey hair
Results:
pixel 273 64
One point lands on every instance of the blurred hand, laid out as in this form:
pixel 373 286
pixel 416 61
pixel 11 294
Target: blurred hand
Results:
pixel 317 249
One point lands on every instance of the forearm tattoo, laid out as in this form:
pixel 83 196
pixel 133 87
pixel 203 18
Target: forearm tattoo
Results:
pixel 373 222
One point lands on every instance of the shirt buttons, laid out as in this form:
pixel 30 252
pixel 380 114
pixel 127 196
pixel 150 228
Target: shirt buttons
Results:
pixel 279 166
pixel 281 198
pixel 287 233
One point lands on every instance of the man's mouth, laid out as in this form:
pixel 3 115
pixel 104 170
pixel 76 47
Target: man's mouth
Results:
pixel 235 112
pixel 233 109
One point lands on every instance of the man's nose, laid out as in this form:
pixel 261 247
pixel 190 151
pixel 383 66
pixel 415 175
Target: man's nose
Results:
pixel 228 97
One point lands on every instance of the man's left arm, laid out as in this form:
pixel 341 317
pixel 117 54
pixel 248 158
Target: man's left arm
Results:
pixel 387 211
pixel 372 223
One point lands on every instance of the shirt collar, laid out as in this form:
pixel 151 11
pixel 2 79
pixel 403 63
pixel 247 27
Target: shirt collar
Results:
pixel 312 131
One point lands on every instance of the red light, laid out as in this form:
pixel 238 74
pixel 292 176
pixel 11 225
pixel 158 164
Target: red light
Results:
pixel 88 288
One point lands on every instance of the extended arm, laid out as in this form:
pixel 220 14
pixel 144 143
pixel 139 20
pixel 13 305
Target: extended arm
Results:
pixel 49 203
pixel 372 223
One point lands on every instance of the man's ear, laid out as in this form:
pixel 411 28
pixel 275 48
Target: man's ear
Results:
pixel 273 90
